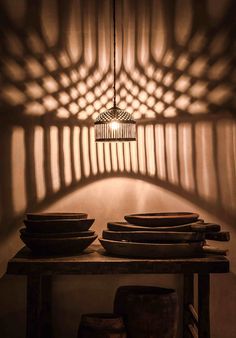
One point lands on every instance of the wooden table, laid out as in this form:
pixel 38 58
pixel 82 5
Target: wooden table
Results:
pixel 39 272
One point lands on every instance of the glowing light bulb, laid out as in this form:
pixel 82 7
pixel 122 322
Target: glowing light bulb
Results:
pixel 114 125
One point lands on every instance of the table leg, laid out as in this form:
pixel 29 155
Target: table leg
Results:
pixel 188 298
pixel 46 306
pixel 39 289
pixel 203 305
pixel 33 321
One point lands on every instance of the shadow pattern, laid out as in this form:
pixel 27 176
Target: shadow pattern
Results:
pixel 176 75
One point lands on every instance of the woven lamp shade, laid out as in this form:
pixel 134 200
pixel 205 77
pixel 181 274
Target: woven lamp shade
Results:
pixel 115 125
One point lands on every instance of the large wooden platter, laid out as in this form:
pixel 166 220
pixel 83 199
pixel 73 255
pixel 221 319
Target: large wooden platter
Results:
pixel 162 218
pixel 153 236
pixel 151 250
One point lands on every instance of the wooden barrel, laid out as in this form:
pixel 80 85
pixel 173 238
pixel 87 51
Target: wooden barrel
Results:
pixel 101 325
pixel 148 312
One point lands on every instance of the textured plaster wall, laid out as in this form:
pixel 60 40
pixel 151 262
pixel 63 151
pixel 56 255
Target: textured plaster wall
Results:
pixel 108 200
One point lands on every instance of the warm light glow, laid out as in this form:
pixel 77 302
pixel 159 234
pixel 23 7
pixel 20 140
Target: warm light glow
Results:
pixel 174 76
pixel 114 125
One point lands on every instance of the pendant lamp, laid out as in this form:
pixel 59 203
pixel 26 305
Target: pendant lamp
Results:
pixel 115 124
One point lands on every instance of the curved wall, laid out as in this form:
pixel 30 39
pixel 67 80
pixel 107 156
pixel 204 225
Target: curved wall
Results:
pixel 175 74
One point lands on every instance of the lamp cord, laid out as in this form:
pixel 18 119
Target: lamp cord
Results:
pixel 114 52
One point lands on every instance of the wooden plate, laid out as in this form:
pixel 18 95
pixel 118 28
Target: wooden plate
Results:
pixel 58 246
pixel 58 225
pixel 151 250
pixel 153 236
pixel 162 218
pixel 28 234
pixel 123 226
pixel 56 215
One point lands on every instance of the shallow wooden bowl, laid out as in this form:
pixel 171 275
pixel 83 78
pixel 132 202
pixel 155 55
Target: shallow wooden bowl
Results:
pixel 162 218
pixel 152 250
pixel 28 234
pixel 58 246
pixel 55 215
pixel 58 225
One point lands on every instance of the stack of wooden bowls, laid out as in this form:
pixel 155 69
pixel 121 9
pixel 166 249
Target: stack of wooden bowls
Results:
pixel 57 233
pixel 161 235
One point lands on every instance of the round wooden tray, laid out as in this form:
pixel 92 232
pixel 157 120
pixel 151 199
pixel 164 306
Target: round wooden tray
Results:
pixel 58 225
pixel 151 250
pixel 58 246
pixel 162 218
pixel 55 215
pixel 153 236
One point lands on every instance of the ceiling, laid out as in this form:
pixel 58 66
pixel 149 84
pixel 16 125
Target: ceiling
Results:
pixel 175 59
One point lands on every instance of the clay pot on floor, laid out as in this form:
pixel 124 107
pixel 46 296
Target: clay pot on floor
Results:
pixel 148 312
pixel 101 325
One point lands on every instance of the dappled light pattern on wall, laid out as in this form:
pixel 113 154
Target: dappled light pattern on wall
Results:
pixel 175 66
pixel 47 164
pixel 174 58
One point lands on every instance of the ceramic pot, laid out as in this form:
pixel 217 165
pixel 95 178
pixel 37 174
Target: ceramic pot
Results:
pixel 148 312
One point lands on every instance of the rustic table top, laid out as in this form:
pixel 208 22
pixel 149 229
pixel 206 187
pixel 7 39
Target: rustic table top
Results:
pixel 94 260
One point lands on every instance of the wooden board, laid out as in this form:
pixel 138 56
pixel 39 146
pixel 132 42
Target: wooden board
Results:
pixel 222 236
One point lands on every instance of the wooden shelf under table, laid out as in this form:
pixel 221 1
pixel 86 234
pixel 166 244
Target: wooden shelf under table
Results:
pixel 39 271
